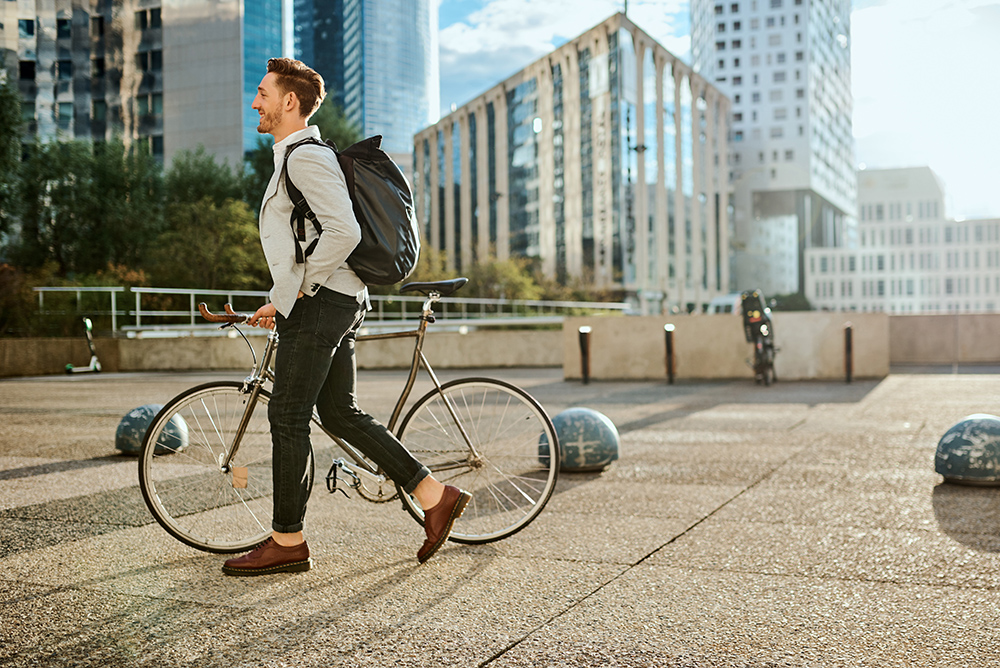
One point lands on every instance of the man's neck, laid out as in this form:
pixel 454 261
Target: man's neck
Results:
pixel 282 133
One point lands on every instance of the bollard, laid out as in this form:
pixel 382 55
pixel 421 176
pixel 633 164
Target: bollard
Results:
pixel 848 351
pixel 668 331
pixel 585 354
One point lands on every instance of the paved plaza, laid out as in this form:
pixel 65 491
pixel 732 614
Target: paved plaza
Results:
pixel 797 525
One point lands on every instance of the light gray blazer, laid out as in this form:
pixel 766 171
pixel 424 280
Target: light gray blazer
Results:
pixel 316 172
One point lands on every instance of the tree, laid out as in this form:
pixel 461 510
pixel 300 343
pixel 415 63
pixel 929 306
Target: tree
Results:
pixel 503 279
pixel 209 245
pixel 194 175
pixel 85 206
pixel 334 125
pixel 10 155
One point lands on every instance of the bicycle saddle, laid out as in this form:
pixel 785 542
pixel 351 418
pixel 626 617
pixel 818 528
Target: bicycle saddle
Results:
pixel 444 288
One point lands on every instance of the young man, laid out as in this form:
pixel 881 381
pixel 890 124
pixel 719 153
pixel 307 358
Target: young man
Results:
pixel 317 306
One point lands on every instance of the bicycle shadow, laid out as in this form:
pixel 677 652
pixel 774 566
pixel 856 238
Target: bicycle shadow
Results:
pixel 229 619
pixel 969 515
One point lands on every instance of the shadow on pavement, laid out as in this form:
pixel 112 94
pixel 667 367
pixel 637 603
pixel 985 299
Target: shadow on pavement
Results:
pixel 969 515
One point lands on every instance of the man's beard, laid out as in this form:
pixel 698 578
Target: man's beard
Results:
pixel 269 121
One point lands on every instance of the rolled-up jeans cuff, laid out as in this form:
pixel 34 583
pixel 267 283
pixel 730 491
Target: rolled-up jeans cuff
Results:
pixel 287 528
pixel 416 479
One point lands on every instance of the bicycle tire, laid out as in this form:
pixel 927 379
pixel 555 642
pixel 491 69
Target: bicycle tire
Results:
pixel 512 478
pixel 186 490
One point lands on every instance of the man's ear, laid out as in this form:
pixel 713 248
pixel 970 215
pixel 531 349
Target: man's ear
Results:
pixel 291 101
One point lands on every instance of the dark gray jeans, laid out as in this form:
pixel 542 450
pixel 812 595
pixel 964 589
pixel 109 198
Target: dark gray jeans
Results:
pixel 315 366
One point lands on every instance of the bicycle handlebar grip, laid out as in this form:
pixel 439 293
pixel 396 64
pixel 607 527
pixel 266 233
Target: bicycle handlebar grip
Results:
pixel 230 317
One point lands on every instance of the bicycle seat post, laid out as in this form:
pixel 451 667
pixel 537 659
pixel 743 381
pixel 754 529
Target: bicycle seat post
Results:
pixel 428 304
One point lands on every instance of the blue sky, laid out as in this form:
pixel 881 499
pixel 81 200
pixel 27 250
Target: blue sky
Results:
pixel 925 74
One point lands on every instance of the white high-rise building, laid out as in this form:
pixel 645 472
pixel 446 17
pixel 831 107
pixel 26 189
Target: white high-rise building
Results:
pixel 785 65
pixel 910 259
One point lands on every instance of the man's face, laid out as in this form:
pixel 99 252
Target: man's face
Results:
pixel 269 103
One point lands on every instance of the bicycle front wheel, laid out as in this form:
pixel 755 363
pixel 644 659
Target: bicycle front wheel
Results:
pixel 491 439
pixel 182 479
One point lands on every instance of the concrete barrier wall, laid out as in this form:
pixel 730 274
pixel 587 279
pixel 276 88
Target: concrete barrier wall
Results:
pixel 945 339
pixel 810 346
pixel 487 348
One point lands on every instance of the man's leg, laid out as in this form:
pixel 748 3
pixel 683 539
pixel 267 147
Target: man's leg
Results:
pixel 338 408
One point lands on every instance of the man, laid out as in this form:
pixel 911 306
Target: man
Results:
pixel 317 307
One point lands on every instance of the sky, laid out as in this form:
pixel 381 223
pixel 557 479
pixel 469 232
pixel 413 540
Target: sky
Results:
pixel 925 74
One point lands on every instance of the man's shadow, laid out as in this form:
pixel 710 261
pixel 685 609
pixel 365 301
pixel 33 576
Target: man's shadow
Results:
pixel 969 515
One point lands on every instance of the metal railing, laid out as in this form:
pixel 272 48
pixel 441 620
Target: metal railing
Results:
pixel 79 291
pixel 388 311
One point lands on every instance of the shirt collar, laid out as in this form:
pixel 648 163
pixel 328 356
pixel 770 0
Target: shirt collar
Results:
pixel 298 135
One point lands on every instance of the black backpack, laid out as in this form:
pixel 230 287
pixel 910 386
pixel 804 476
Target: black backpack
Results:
pixel 383 205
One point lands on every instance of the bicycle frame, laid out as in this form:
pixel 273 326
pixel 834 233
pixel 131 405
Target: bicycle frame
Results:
pixel 262 372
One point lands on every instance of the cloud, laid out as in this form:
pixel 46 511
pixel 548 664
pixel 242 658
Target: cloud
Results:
pixel 503 36
pixel 925 94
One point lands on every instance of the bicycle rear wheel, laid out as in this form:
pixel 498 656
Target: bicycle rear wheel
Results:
pixel 184 485
pixel 511 467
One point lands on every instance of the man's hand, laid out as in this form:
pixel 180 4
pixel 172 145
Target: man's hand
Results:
pixel 264 317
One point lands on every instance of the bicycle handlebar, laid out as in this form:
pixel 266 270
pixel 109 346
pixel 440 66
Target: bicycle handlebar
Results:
pixel 231 316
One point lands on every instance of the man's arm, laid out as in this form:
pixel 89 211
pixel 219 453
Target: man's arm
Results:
pixel 315 171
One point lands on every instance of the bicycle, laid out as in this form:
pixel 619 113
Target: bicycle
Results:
pixel 205 462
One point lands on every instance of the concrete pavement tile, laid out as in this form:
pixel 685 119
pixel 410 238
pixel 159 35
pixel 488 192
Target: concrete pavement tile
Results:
pixel 832 506
pixel 636 499
pixel 76 478
pixel 672 617
pixel 901 556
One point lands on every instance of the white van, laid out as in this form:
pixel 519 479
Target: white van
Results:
pixel 725 304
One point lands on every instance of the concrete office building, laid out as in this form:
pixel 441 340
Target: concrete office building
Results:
pixel 911 258
pixel 379 59
pixel 605 160
pixel 171 73
pixel 785 64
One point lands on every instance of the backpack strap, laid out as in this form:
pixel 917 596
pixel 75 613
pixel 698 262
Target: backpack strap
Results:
pixel 301 211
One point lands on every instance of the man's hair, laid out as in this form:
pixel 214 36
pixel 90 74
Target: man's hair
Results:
pixel 294 76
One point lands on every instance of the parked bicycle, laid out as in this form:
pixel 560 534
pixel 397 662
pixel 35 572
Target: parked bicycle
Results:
pixel 759 332
pixel 205 463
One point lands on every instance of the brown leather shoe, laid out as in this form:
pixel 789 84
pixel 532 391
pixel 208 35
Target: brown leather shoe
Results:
pixel 269 557
pixel 439 520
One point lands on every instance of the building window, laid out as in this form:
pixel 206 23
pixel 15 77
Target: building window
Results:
pixel 25 28
pixel 721 27
pixel 789 155
pixel 26 70
pixel 156 21
pixel 738 135
pixel 64 29
pixel 28 112
pixel 775 4
pixel 720 46
pixel 734 8
pixel 737 43
pixel 775 95
pixel 799 56
pixel 719 9
pixel 770 22
pixel 65 69
pixel 780 58
pixel 779 77
pixel 141 20
pixel 97 26
pixel 99 111
pixel 737 81
pixel 97 68
pixel 780 114
pixel 736 26
pixel 774 40
pixel 722 63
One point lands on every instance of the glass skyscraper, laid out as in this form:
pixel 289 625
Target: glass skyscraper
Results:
pixel 379 61
pixel 262 39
